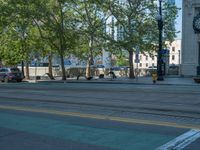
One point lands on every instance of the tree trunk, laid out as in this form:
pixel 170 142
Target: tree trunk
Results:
pixel 62 66
pixel 27 70
pixel 131 71
pixel 62 41
pixel 22 65
pixel 88 69
pixel 50 67
pixel 90 60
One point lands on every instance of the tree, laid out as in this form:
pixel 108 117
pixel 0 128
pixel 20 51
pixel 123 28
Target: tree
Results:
pixel 17 31
pixel 10 48
pixel 91 21
pixel 135 21
pixel 128 17
pixel 170 14
pixel 53 20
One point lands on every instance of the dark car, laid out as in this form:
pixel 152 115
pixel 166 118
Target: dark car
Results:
pixel 115 68
pixel 10 74
pixel 100 66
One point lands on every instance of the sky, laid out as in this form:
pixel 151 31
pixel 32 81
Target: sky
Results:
pixel 178 23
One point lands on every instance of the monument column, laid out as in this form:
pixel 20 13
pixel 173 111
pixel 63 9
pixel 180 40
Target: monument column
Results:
pixel 190 40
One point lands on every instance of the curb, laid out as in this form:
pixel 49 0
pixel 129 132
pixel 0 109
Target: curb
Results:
pixel 110 82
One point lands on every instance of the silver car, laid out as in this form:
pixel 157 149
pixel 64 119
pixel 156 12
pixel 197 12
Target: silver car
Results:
pixel 10 74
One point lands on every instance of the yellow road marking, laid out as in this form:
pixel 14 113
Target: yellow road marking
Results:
pixel 99 117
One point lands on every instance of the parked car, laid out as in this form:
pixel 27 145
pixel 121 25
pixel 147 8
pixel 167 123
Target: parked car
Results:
pixel 10 74
pixel 115 68
pixel 173 69
pixel 100 66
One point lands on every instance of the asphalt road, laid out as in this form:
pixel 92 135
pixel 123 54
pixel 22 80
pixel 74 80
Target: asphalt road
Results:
pixel 22 131
pixel 149 109
pixel 152 100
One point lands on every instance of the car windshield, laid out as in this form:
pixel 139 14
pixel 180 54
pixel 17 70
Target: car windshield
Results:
pixel 14 70
pixel 3 70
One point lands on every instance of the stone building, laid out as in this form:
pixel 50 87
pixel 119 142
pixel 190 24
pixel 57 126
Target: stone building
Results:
pixel 174 52
pixel 150 61
pixel 190 39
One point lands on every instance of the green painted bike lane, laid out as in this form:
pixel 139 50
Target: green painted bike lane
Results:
pixel 65 130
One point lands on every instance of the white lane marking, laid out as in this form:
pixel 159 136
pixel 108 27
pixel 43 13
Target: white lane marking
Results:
pixel 181 141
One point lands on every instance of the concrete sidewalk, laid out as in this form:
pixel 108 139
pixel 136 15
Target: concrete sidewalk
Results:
pixel 140 80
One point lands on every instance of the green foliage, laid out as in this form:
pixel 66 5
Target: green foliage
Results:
pixel 89 18
pixel 170 12
pixel 122 61
pixel 10 52
pixel 80 27
pixel 137 26
pixel 90 21
pixel 18 37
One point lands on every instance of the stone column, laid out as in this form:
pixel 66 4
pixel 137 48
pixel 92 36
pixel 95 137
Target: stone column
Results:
pixel 190 40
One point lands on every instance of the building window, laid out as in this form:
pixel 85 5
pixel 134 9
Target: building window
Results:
pixel 153 64
pixel 121 2
pixel 120 32
pixel 147 64
pixel 140 57
pixel 173 57
pixel 146 57
pixel 153 57
pixel 173 49
pixel 140 64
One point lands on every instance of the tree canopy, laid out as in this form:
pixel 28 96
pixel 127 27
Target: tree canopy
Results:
pixel 80 27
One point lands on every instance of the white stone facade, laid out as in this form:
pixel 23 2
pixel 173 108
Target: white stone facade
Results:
pixel 174 52
pixel 190 40
pixel 147 61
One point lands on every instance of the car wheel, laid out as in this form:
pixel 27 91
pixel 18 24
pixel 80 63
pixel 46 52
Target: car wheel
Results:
pixel 19 80
pixel 6 79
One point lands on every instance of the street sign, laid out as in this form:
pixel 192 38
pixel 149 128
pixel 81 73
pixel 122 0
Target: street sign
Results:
pixel 165 55
pixel 164 51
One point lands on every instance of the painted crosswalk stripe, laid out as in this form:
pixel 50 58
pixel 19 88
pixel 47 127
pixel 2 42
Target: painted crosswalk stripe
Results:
pixel 182 141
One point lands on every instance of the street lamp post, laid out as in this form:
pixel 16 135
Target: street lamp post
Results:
pixel 179 62
pixel 160 28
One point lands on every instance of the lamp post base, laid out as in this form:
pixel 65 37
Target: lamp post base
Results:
pixel 198 70
pixel 160 78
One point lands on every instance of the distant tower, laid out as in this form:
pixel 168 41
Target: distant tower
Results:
pixel 171 1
